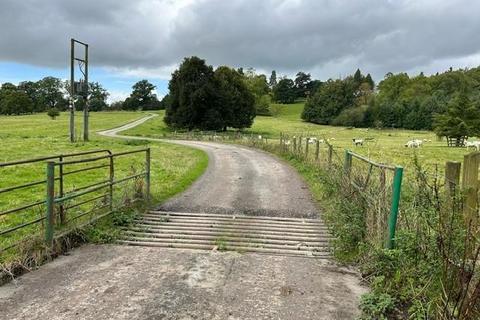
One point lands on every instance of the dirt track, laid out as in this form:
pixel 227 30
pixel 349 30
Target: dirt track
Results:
pixel 240 180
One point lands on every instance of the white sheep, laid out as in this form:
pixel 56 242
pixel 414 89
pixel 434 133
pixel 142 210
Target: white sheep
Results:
pixel 358 142
pixel 413 144
pixel 312 140
pixel 473 144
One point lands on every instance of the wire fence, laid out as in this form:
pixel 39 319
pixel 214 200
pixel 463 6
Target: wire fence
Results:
pixel 376 184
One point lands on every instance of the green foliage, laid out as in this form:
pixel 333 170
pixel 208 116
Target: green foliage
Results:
pixel 461 119
pixel 203 99
pixel 418 103
pixel 257 84
pixel 262 105
pixel 45 94
pixel 284 91
pixel 50 94
pixel 302 84
pixel 329 101
pixel 236 100
pixel 351 117
pixel 53 113
pixel 193 97
pixel 376 306
pixel 15 102
pixel 273 79
pixel 124 217
pixel 142 97
pixel 221 244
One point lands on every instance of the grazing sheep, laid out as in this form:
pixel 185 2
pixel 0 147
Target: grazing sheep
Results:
pixel 473 144
pixel 321 141
pixel 358 142
pixel 413 144
pixel 312 140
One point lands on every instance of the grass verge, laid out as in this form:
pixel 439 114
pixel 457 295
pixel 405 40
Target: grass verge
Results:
pixel 173 169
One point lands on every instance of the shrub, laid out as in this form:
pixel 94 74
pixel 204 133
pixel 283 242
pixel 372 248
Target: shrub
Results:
pixel 53 113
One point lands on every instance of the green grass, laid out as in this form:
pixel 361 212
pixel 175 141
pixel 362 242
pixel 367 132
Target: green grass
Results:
pixel 387 146
pixel 173 167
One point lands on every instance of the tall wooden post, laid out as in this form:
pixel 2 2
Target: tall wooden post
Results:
pixel 470 185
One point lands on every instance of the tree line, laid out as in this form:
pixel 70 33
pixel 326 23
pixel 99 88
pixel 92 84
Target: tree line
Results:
pixel 52 93
pixel 447 102
pixel 201 97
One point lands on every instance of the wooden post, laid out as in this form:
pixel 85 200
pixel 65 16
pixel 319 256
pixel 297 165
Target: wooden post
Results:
pixel 471 163
pixel 452 177
pixel 307 140
pixel 330 154
pixel 317 150
pixel 299 145
pixel 347 165
pixel 294 144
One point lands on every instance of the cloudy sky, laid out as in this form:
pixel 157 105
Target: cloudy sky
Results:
pixel 131 40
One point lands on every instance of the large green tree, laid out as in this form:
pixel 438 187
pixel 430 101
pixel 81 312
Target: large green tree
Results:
pixel 237 101
pixel 142 97
pixel 258 86
pixel 329 101
pixel 461 119
pixel 201 98
pixel 50 94
pixel 284 91
pixel 15 102
pixel 273 79
pixel 302 84
pixel 193 98
pixel 97 100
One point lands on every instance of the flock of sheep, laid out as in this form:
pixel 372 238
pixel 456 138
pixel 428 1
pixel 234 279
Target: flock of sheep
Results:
pixel 415 143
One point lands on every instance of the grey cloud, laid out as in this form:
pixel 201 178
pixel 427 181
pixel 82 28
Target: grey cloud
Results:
pixel 326 37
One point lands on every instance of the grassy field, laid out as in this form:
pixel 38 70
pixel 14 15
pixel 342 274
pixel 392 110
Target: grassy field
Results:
pixel 386 145
pixel 23 137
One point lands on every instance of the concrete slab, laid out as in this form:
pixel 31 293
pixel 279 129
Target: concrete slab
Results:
pixel 119 282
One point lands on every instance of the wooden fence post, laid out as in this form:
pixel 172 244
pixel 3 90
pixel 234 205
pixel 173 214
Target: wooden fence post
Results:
pixel 471 163
pixel 347 165
pixel 452 177
pixel 307 140
pixel 294 144
pixel 317 150
pixel 330 154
